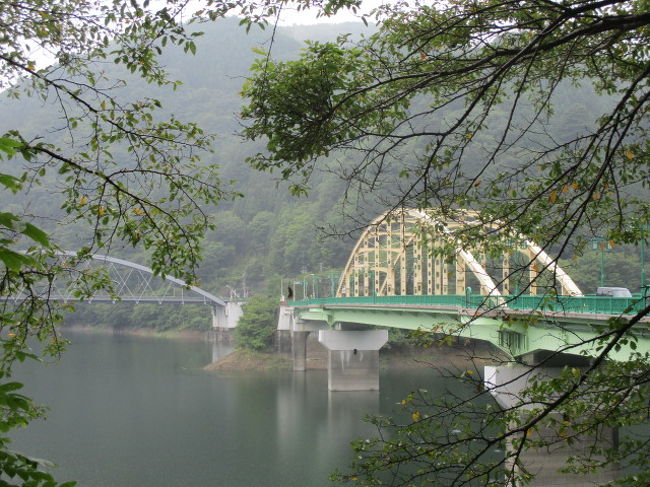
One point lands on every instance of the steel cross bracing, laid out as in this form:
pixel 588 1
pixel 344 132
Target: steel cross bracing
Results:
pixel 130 282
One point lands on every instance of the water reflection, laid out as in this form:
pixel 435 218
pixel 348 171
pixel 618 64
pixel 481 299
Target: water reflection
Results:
pixel 132 411
pixel 127 411
pixel 220 350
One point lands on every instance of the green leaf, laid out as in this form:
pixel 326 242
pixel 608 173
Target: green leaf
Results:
pixel 11 182
pixel 10 386
pixel 36 234
pixel 8 145
pixel 7 219
pixel 13 260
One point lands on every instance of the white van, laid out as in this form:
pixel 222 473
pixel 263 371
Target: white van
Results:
pixel 614 292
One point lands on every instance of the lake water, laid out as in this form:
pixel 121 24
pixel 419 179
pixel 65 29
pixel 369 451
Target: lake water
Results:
pixel 137 411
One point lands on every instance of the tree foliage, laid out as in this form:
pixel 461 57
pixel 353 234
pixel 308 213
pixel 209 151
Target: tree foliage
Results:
pixel 454 106
pixel 117 168
pixel 256 327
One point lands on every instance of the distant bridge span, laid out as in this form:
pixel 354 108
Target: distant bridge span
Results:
pixel 135 282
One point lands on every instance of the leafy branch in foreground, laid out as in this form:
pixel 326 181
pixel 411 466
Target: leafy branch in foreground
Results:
pixel 475 106
pixel 116 169
pixel 456 106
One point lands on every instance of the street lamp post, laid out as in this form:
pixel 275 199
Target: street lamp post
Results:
pixel 642 244
pixel 314 292
pixel 598 243
pixel 602 267
pixel 295 290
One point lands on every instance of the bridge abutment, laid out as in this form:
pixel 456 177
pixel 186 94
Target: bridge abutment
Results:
pixel 353 358
pixel 226 317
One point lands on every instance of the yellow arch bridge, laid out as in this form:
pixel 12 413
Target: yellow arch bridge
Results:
pixel 412 270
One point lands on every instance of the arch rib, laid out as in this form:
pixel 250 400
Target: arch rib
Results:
pixel 398 255
pixel 114 260
pixel 475 266
pixel 350 263
pixel 565 280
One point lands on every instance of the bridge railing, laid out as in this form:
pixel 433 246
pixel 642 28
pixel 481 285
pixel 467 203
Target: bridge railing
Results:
pixel 568 304
pixel 580 304
pixel 463 300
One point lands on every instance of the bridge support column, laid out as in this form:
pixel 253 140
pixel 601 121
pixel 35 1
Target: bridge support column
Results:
pixel 299 350
pixel 216 317
pixel 506 384
pixel 283 334
pixel 353 358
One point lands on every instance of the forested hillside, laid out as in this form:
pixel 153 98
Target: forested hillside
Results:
pixel 262 233
pixel 266 233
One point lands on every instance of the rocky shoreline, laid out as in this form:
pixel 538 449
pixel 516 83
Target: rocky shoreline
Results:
pixel 247 360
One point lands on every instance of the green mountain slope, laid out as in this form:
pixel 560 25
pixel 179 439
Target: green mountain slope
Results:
pixel 264 233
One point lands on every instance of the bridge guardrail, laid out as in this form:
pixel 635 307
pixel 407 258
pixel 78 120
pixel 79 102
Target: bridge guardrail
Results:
pixel 568 304
pixel 579 304
pixel 446 300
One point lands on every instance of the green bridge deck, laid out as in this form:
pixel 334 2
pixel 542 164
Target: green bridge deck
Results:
pixel 558 323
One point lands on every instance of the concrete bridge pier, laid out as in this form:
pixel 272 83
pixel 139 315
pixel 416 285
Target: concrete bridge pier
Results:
pixel 299 350
pixel 296 331
pixel 225 318
pixel 506 384
pixel 283 339
pixel 353 358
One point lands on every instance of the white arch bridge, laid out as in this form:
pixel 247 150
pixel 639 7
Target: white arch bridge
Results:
pixel 132 282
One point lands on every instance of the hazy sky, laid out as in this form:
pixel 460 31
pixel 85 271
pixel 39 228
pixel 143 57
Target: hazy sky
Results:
pixel 290 16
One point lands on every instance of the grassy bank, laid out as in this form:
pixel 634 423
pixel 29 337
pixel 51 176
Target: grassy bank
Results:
pixel 250 360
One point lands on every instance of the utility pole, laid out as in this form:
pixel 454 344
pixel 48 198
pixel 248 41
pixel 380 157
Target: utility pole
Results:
pixel 642 264
pixel 314 293
pixel 598 243
pixel 642 244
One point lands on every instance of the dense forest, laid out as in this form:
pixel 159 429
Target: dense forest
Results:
pixel 266 233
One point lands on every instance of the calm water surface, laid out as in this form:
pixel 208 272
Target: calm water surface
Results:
pixel 134 411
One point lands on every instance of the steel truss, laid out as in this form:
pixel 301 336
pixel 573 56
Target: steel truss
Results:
pixel 129 282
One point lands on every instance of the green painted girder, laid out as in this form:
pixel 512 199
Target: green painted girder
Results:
pixel 516 332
